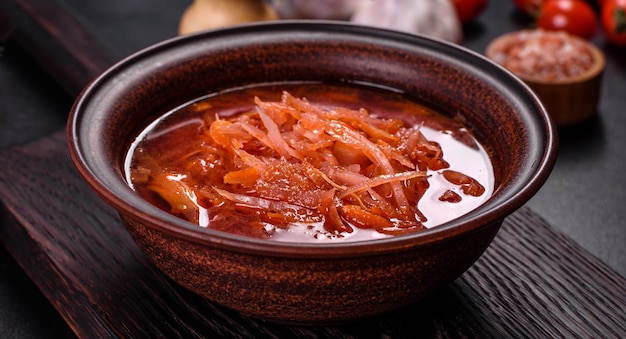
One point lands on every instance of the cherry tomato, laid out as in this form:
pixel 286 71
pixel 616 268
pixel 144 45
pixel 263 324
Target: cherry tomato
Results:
pixel 572 16
pixel 614 21
pixel 528 7
pixel 468 10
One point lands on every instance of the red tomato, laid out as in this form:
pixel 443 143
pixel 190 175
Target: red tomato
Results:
pixel 573 16
pixel 468 10
pixel 614 21
pixel 528 7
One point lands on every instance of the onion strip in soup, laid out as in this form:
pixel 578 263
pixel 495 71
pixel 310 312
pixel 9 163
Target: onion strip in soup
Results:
pixel 294 170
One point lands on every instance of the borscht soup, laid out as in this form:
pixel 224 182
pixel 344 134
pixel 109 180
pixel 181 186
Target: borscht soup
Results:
pixel 310 162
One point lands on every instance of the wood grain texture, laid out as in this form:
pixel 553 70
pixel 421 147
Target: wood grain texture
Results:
pixel 56 40
pixel 531 282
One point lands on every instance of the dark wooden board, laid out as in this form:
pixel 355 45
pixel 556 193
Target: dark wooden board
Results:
pixel 531 282
pixel 56 40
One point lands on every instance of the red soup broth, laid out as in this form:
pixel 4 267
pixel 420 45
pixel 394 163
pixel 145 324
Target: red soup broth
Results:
pixel 309 162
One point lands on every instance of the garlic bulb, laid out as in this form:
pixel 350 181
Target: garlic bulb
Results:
pixel 315 9
pixel 433 18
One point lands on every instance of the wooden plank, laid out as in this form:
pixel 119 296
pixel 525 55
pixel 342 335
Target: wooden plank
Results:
pixel 56 40
pixel 531 282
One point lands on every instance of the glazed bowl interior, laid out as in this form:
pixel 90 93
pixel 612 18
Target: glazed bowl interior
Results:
pixel 503 113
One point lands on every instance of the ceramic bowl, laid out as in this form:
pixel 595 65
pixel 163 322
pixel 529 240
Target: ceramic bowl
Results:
pixel 298 282
pixel 569 100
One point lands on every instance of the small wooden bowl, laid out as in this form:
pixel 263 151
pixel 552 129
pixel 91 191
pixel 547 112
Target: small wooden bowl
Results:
pixel 568 100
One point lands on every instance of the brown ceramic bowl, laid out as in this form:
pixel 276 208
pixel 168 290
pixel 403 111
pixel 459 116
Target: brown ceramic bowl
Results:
pixel 299 282
pixel 569 100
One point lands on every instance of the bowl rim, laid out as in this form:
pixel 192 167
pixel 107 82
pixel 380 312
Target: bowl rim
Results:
pixel 178 228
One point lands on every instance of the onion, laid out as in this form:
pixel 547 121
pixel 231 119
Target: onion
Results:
pixel 210 14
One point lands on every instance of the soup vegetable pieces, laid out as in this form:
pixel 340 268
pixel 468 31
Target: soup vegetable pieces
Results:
pixel 291 169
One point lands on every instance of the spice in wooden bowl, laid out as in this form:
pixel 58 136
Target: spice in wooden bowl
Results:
pixel 563 70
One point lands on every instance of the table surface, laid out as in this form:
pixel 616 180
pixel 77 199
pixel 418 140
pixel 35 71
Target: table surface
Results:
pixel 582 198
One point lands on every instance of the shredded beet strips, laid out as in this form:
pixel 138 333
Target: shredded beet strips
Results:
pixel 291 161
